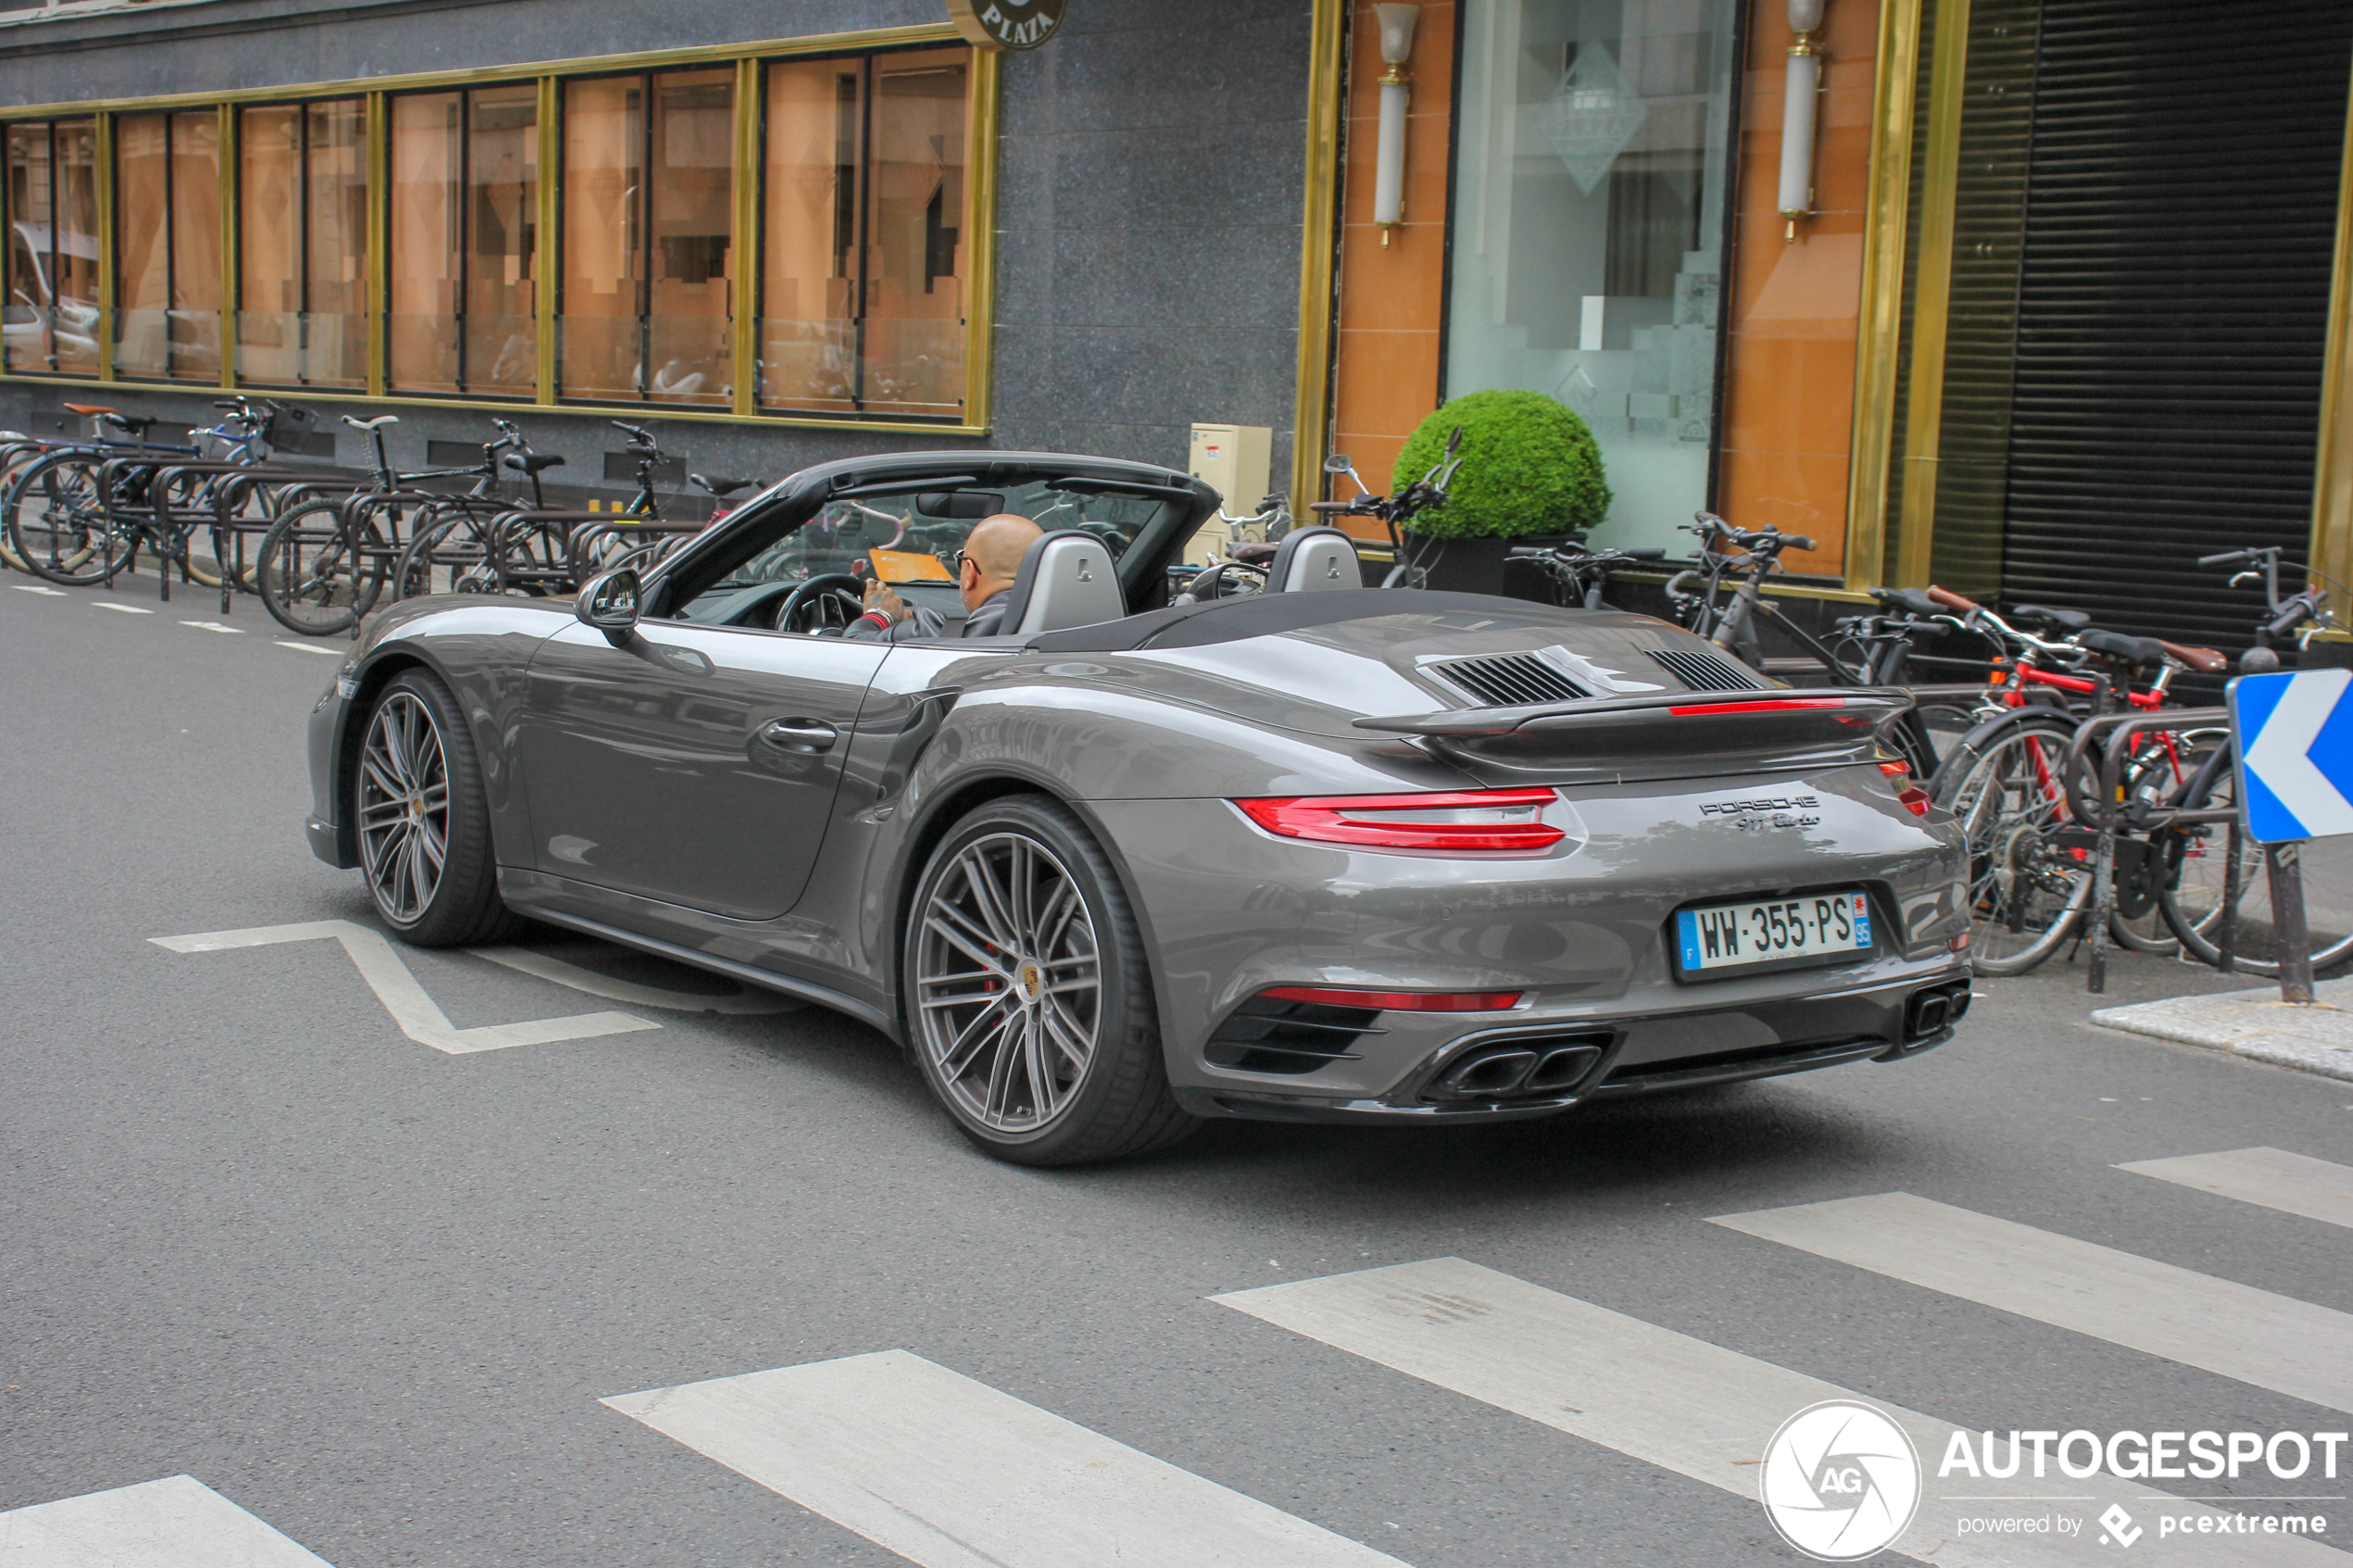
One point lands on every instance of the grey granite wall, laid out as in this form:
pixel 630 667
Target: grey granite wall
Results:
pixel 1149 211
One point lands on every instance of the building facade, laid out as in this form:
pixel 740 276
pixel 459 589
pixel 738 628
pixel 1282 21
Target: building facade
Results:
pixel 2036 298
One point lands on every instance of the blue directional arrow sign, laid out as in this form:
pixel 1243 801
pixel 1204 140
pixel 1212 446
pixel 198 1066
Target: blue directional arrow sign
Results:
pixel 2293 738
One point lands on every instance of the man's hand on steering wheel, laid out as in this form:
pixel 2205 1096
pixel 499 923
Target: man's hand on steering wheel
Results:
pixel 827 603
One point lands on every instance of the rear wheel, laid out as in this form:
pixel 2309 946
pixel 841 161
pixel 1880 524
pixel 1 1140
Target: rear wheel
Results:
pixel 423 819
pixel 2028 889
pixel 1029 1003
pixel 317 575
pixel 55 525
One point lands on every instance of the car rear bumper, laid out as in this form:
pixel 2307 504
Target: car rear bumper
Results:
pixel 1631 1055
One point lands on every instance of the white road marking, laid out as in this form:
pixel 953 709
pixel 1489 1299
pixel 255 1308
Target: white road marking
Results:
pixel 312 647
pixel 2294 1184
pixel 745 1001
pixel 402 996
pixel 177 1523
pixel 1681 1403
pixel 2274 1342
pixel 38 588
pixel 120 609
pixel 951 1473
pixel 215 626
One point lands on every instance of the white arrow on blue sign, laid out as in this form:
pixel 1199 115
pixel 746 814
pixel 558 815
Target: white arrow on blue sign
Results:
pixel 2293 738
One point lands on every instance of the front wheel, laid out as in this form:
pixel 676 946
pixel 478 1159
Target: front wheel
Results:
pixel 318 573
pixel 2196 875
pixel 423 818
pixel 2029 882
pixel 55 526
pixel 1029 1004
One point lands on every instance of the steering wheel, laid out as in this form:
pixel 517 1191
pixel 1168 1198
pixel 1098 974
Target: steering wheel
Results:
pixel 1214 583
pixel 829 602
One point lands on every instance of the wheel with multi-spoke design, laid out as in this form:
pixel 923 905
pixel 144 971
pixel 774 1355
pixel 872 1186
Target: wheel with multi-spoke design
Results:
pixel 423 821
pixel 1027 996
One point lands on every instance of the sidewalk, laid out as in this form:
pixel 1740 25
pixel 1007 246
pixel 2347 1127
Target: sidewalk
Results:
pixel 2253 1023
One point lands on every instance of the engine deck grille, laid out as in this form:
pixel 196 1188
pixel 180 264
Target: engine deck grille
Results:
pixel 1508 680
pixel 1704 671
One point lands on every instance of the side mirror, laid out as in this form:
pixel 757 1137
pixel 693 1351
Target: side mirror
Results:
pixel 1337 463
pixel 610 603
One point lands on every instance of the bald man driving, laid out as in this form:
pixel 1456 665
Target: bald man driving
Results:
pixel 986 568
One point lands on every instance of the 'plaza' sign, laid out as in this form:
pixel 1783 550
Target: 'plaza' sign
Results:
pixel 1006 24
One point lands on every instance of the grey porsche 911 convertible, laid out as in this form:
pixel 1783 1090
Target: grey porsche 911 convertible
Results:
pixel 1318 852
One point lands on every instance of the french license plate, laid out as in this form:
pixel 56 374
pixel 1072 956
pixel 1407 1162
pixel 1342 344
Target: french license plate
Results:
pixel 1815 924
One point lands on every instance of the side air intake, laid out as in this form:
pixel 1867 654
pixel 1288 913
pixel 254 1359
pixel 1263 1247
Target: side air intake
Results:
pixel 1704 671
pixel 1510 680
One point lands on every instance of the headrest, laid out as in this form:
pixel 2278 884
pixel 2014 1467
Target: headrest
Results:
pixel 1067 578
pixel 1314 559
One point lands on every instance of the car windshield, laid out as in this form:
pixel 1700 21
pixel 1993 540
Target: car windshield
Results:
pixel 913 538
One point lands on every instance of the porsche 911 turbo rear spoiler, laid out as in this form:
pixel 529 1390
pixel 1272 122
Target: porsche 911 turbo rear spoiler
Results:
pixel 1769 727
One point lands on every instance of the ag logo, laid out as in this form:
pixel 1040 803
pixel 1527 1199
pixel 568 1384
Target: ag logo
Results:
pixel 1006 24
pixel 1840 1481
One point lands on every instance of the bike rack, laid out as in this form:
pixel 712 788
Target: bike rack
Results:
pixel 2113 733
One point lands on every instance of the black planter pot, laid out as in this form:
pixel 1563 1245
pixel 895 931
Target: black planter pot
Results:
pixel 1477 565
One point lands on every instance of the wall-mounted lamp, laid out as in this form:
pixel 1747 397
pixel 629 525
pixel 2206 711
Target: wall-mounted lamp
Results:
pixel 1388 166
pixel 1798 110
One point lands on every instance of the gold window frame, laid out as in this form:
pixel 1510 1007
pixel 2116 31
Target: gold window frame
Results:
pixel 980 219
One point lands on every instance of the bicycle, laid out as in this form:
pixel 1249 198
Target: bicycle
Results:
pixel 58 483
pixel 2194 887
pixel 1423 494
pixel 1575 576
pixel 326 561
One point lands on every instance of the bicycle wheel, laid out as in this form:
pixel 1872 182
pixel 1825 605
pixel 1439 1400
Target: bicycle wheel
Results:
pixel 55 524
pixel 2191 895
pixel 448 554
pixel 2158 771
pixel 317 573
pixel 2028 891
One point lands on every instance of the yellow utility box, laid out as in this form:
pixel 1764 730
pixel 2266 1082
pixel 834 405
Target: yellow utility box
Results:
pixel 1234 460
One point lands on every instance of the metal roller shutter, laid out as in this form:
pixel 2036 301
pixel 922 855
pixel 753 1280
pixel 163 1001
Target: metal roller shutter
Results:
pixel 2181 212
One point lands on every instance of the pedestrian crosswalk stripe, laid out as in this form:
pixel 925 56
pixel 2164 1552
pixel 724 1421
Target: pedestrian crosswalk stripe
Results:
pixel 1681 1403
pixel 176 1522
pixel 952 1473
pixel 2274 1342
pixel 2294 1184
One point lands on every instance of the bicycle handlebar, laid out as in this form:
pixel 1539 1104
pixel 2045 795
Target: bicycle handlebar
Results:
pixel 2232 557
pixel 2293 614
pixel 1952 600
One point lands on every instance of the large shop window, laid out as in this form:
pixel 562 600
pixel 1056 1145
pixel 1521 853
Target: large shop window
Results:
pixel 302 243
pixel 650 231
pixel 862 294
pixel 50 320
pixel 464 198
pixel 1593 158
pixel 167 203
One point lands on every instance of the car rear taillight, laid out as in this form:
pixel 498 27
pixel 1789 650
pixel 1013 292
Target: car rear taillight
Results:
pixel 1774 705
pixel 1398 1001
pixel 1914 797
pixel 1485 820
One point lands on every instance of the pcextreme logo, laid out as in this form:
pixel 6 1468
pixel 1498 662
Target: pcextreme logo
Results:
pixel 1840 1481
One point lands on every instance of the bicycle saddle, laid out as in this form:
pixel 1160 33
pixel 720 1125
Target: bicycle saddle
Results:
pixel 376 424
pixel 2131 650
pixel 2206 661
pixel 534 463
pixel 1911 601
pixel 721 486
pixel 135 424
pixel 2071 619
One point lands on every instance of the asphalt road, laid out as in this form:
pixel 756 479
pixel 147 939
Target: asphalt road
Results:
pixel 373 1293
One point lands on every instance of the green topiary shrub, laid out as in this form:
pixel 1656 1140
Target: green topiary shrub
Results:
pixel 1529 465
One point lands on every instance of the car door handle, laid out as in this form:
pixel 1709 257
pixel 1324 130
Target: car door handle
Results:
pixel 807 736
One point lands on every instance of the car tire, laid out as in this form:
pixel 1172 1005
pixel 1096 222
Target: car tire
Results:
pixel 1029 1004
pixel 416 789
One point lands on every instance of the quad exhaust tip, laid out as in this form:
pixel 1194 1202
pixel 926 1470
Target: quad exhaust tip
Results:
pixel 1512 1069
pixel 1935 1010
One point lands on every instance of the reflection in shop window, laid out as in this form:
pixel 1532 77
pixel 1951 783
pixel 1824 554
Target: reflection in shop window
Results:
pixel 649 262
pixel 50 320
pixel 464 207
pixel 167 198
pixel 302 244
pixel 1592 160
pixel 863 293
